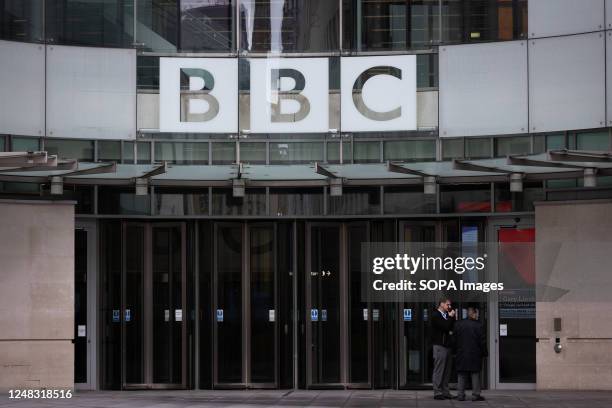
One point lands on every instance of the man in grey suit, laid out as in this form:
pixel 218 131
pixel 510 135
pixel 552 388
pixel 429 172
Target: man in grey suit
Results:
pixel 471 344
pixel 442 322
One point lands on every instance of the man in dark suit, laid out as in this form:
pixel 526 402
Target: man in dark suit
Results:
pixel 471 347
pixel 442 322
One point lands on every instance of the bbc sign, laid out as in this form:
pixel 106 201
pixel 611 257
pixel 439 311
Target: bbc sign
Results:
pixel 287 95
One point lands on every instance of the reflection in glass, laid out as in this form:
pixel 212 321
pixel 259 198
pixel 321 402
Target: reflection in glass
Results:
pixel 109 151
pixel 483 20
pixel 292 201
pixel 263 304
pixel 356 201
pixel 228 311
pixel 253 203
pixel 25 144
pixel 296 152
pixel 134 322
pixel 206 25
pixel 594 141
pixel 181 153
pixel 223 152
pixel 325 301
pixel 171 201
pixel 21 20
pixel 366 152
pixel 465 198
pixel 358 310
pixel 82 150
pixel 478 148
pixel 408 200
pixel 506 146
pixel 101 23
pixel 167 300
pixel 390 24
pixel 289 26
pixel 113 200
pixel 254 153
pixel 410 150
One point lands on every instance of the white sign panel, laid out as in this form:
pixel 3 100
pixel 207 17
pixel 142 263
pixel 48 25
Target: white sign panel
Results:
pixel 503 330
pixel 379 93
pixel 198 95
pixel 289 95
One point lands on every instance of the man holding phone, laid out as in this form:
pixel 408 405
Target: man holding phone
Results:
pixel 442 323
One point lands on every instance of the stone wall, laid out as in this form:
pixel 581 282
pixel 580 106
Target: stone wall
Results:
pixel 36 294
pixel 573 250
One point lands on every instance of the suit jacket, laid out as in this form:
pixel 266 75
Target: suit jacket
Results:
pixel 441 329
pixel 471 345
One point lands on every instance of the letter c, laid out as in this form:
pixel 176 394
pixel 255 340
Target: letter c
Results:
pixel 358 97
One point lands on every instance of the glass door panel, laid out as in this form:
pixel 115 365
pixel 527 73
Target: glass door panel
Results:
pixel 359 312
pixel 324 303
pixel 415 349
pixel 133 305
pixel 228 309
pixel 263 313
pixel 168 308
pixel 80 306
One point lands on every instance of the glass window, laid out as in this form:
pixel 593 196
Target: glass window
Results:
pixel 24 144
pixel 409 200
pixel 390 24
pixel 296 152
pixel 2 143
pixel 114 200
pixel 356 201
pixel 539 144
pixel 366 152
pixel 283 26
pixel 172 201
pixel 223 153
pixel 507 201
pixel 427 71
pixel 411 150
pixel 109 150
pixel 181 153
pixel 21 20
pixel 104 23
pixel 254 153
pixel 206 26
pixel 253 203
pixel 507 146
pixel 483 20
pixel 465 198
pixel 452 149
pixel 83 195
pixel 292 201
pixel 556 141
pixel 185 25
pixel 128 152
pixel 333 152
pixel 147 72
pixel 71 149
pixel 143 151
pixel 477 148
pixel 594 141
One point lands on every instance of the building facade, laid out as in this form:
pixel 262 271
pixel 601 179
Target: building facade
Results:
pixel 232 156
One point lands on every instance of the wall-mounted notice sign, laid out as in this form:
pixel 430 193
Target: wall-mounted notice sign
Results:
pixel 314 315
pixel 425 315
pixel 323 315
pixel 178 315
pixel 219 315
pixel 375 314
pixel 166 315
pixel 81 331
pixel 271 315
pixel 503 330
pixel 407 315
pixel 128 315
pixel 365 314
pixel 116 315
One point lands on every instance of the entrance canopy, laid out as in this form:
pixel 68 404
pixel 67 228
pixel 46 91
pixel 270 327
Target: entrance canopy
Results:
pixel 37 167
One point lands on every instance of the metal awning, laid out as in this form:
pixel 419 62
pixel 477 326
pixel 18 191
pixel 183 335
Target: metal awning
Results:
pixel 553 165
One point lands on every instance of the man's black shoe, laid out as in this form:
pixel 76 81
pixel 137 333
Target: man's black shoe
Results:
pixel 450 396
pixel 439 397
pixel 478 398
